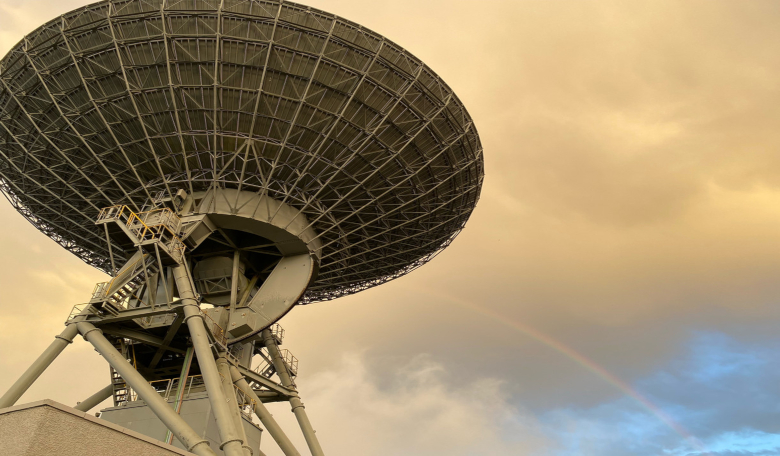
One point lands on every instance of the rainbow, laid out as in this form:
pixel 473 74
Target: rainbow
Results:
pixel 580 359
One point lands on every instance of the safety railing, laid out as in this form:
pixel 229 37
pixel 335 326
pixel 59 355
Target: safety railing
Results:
pixel 278 332
pixel 78 309
pixel 114 213
pixel 267 369
pixel 245 403
pixel 144 265
pixel 164 218
pixel 101 290
pixel 291 362
pixel 157 225
pixel 167 388
pixel 216 330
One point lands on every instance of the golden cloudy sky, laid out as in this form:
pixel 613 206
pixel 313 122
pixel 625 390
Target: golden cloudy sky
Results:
pixel 628 227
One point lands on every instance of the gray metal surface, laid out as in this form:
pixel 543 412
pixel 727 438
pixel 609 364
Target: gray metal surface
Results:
pixel 233 403
pixel 191 440
pixel 280 291
pixel 196 410
pixel 116 101
pixel 231 442
pixel 92 401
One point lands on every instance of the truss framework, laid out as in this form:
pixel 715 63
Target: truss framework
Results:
pixel 119 100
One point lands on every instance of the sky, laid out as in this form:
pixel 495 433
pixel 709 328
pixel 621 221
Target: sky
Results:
pixel 615 290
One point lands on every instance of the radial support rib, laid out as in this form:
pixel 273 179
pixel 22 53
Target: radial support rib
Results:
pixel 92 401
pixel 295 401
pixel 36 369
pixel 188 437
pixel 231 441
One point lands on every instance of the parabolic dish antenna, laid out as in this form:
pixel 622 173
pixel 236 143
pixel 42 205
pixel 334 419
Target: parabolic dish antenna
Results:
pixel 224 161
pixel 116 102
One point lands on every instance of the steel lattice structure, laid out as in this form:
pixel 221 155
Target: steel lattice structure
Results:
pixel 119 100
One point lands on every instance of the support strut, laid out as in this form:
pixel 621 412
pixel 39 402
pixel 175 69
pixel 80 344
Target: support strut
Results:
pixel 38 366
pixel 231 441
pixel 186 435
pixel 227 385
pixel 295 401
pixel 264 415
pixel 90 402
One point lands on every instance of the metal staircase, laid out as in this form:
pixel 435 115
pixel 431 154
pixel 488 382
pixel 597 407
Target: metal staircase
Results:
pixel 114 296
pixel 266 367
pixel 121 390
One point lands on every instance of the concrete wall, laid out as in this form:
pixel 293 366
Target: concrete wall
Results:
pixel 50 428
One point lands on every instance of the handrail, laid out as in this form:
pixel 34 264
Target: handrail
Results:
pixel 134 269
pixel 170 385
pixel 77 310
pixel 290 361
pixel 100 290
pixel 160 225
pixel 278 332
pixel 216 330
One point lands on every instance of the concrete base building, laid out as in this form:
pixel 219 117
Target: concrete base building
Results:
pixel 196 411
pixel 50 428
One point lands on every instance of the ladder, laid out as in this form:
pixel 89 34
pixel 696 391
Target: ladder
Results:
pixel 121 390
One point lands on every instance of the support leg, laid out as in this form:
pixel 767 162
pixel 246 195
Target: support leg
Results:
pixel 295 401
pixel 189 438
pixel 90 402
pixel 231 442
pixel 36 369
pixel 265 416
pixel 227 385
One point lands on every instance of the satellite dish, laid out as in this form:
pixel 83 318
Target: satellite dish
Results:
pixel 224 161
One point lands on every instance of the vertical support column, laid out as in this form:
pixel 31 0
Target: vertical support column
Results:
pixel 295 401
pixel 234 282
pixel 188 437
pixel 231 442
pixel 227 385
pixel 90 402
pixel 185 372
pixel 265 416
pixel 38 366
